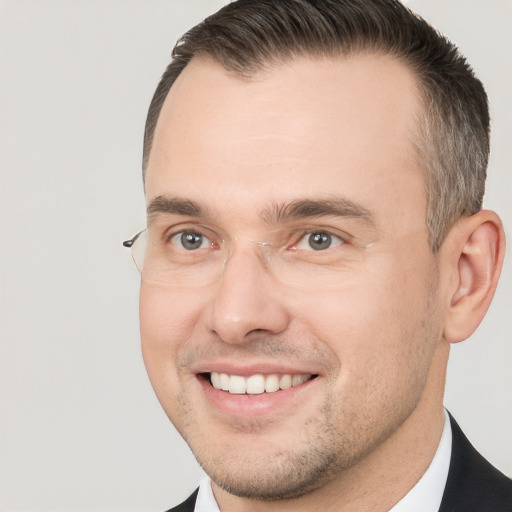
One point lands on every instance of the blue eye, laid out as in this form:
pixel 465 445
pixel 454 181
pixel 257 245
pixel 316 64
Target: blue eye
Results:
pixel 190 240
pixel 318 241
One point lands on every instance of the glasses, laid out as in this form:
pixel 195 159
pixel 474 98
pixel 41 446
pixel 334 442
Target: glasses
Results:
pixel 200 256
pixel 137 245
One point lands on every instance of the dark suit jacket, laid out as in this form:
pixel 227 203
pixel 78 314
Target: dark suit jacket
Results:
pixel 473 484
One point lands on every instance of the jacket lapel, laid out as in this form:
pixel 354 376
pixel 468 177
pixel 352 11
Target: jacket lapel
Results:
pixel 473 484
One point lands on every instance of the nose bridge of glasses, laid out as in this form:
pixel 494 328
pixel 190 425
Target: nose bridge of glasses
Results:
pixel 245 246
pixel 257 243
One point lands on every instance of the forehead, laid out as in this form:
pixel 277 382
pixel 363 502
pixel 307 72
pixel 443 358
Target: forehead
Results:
pixel 308 127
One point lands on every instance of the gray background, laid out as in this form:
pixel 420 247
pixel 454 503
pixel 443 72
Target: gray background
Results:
pixel 80 429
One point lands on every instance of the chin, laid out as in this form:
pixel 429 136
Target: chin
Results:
pixel 273 477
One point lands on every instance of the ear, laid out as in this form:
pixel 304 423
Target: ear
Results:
pixel 473 253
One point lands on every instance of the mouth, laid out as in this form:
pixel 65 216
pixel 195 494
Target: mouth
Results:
pixel 256 384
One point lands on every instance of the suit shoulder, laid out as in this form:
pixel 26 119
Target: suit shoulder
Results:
pixel 188 505
pixel 474 484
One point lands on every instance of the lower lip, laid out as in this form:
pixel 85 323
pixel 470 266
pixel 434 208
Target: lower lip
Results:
pixel 245 406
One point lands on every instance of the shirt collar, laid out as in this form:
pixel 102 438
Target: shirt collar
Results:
pixel 205 501
pixel 427 494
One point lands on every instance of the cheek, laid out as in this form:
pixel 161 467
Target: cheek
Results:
pixel 375 322
pixel 166 322
pixel 384 349
pixel 166 317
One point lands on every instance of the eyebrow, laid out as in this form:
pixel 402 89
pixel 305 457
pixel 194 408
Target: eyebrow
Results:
pixel 276 213
pixel 312 208
pixel 174 206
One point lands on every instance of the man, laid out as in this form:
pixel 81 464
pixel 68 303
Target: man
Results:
pixel 314 173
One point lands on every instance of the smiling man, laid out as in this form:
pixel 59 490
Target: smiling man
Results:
pixel 314 172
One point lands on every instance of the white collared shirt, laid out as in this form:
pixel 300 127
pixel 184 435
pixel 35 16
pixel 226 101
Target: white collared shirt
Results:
pixel 425 496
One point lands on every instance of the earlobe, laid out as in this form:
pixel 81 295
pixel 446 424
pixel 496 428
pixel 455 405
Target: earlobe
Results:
pixel 477 247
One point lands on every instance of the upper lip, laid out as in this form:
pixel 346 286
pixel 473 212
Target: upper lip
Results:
pixel 246 370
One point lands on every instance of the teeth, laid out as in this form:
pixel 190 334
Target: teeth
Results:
pixel 271 383
pixel 255 384
pixel 237 385
pixel 215 380
pixel 285 382
pixel 224 381
pixel 297 380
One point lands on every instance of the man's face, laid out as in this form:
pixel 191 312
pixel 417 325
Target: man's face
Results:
pixel 318 156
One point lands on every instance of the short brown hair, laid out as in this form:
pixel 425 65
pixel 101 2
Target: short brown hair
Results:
pixel 452 138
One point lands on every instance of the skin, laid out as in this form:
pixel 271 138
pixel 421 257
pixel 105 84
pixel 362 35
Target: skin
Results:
pixel 372 322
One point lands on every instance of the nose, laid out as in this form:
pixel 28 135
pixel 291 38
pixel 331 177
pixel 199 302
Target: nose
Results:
pixel 247 302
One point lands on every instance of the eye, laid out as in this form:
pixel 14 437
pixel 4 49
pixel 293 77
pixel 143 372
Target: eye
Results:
pixel 190 240
pixel 319 241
